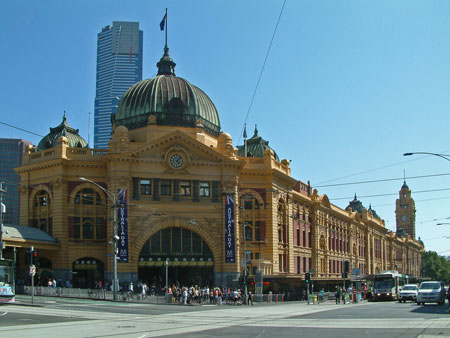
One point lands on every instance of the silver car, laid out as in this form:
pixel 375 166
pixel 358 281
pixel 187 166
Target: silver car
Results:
pixel 409 292
pixel 431 292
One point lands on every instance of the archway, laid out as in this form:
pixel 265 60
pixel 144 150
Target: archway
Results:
pixel 86 272
pixel 189 259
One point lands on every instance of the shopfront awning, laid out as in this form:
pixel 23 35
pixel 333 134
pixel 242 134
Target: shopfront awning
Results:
pixel 25 237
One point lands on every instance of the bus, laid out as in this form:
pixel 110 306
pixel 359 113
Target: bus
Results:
pixel 7 281
pixel 387 285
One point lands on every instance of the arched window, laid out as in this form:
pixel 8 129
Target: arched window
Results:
pixel 41 212
pixel 87 215
pixel 88 197
pixel 250 213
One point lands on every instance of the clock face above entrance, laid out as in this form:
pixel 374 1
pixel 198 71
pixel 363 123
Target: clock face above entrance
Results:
pixel 176 161
pixel 404 218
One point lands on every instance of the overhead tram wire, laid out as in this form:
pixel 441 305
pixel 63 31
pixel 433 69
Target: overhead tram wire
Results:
pixel 27 131
pixel 375 169
pixel 382 180
pixel 392 194
pixel 262 70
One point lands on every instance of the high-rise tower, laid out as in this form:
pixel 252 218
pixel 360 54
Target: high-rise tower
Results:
pixel 119 66
pixel 405 211
pixel 12 151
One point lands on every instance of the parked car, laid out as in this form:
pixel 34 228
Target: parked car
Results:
pixel 409 292
pixel 431 292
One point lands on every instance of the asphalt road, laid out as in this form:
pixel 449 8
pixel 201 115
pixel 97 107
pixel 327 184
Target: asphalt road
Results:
pixel 90 318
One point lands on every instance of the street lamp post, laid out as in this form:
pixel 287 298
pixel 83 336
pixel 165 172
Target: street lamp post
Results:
pixel 444 156
pixel 245 252
pixel 115 238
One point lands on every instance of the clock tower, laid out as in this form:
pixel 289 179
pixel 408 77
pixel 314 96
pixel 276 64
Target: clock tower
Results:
pixel 405 211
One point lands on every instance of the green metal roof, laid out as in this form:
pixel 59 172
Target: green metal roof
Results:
pixel 256 146
pixel 356 205
pixel 75 140
pixel 171 99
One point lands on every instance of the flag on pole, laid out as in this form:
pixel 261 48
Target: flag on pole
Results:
pixel 162 24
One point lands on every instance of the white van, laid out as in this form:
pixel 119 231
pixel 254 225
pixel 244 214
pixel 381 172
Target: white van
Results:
pixel 431 292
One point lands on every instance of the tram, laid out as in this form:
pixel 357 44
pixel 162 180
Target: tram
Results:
pixel 7 281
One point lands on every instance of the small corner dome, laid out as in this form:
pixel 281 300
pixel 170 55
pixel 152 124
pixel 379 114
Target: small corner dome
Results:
pixel 356 205
pixel 256 146
pixel 172 100
pixel 74 140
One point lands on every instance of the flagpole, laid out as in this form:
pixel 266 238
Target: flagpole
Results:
pixel 166 26
pixel 245 139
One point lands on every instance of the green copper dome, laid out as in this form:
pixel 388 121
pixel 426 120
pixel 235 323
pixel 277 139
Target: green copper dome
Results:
pixel 75 140
pixel 256 146
pixel 356 205
pixel 173 101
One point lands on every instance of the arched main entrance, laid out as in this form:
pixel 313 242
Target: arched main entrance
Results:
pixel 86 272
pixel 189 259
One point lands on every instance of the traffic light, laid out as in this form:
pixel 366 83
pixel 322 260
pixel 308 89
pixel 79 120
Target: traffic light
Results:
pixel 28 257
pixel 35 259
pixel 346 269
pixel 307 277
pixel 31 257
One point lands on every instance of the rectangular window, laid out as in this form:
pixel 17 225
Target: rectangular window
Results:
pixel 146 187
pixel 166 187
pixel 99 228
pixel 248 231
pixel 185 188
pixel 76 227
pixel 257 231
pixel 204 189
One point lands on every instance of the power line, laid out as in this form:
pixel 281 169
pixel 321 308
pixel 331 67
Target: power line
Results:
pixel 379 168
pixel 382 180
pixel 262 70
pixel 381 195
pixel 27 131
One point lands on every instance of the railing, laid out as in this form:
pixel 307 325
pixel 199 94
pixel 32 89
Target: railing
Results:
pixel 102 294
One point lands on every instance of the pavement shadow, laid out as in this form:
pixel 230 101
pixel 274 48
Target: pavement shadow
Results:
pixel 431 309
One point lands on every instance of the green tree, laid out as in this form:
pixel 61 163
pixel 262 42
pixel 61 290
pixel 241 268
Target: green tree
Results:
pixel 435 267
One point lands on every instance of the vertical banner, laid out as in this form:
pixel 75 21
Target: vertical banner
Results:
pixel 230 254
pixel 122 226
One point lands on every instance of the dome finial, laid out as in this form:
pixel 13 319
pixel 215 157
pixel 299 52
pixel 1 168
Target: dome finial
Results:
pixel 64 116
pixel 166 66
pixel 256 131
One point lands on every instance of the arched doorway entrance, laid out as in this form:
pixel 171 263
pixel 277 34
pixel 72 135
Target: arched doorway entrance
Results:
pixel 86 272
pixel 190 260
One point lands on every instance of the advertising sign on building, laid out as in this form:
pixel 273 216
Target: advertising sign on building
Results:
pixel 122 226
pixel 230 254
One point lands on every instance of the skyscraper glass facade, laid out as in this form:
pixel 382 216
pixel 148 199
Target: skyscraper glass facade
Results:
pixel 119 66
pixel 12 151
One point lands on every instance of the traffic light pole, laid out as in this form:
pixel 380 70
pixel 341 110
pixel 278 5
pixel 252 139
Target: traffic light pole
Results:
pixel 32 276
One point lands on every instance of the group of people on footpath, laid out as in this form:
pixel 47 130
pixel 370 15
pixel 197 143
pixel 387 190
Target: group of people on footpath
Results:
pixel 346 295
pixel 195 295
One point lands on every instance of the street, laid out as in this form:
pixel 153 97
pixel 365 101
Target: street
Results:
pixel 90 318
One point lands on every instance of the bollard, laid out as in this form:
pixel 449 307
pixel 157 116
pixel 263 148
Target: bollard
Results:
pixel 276 298
pixel 282 299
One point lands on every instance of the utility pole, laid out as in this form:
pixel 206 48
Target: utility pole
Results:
pixel 245 251
pixel 2 212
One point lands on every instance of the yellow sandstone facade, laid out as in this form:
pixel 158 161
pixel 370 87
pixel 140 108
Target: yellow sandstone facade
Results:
pixel 178 173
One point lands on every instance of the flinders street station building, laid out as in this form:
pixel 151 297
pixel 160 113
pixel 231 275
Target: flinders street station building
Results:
pixel 179 193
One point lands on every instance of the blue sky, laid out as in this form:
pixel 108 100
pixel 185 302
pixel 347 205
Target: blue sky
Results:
pixel 348 87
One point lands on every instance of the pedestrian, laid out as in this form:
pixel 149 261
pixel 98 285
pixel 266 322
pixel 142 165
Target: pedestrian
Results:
pixel 448 296
pixel 250 298
pixel 338 295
